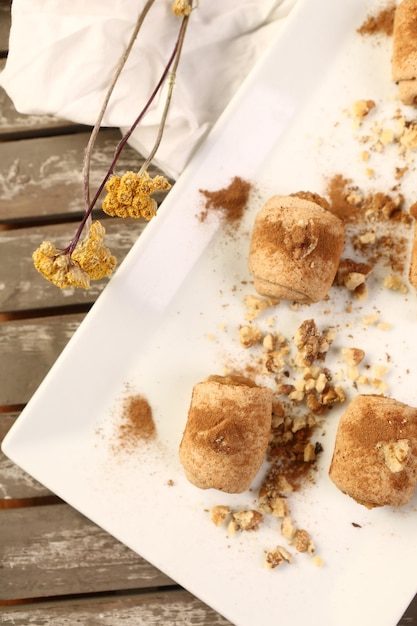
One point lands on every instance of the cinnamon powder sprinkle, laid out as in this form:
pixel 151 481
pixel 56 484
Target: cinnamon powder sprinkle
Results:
pixel 382 23
pixel 136 423
pixel 231 201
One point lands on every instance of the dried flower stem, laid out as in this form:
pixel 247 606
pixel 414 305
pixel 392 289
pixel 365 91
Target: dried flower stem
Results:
pixel 171 64
pixel 97 125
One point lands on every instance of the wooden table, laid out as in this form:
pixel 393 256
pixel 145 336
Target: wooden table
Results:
pixel 55 565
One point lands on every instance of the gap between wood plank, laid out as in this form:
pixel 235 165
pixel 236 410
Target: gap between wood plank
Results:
pixel 18 503
pixel 70 309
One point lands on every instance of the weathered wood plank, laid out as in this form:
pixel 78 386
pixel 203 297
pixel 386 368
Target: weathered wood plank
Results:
pixel 28 350
pixel 410 616
pixel 16 484
pixel 42 178
pixel 175 607
pixel 23 288
pixel 53 550
pixel 14 124
pixel 5 22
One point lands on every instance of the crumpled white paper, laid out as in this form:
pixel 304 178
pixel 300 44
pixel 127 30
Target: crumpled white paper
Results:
pixel 62 56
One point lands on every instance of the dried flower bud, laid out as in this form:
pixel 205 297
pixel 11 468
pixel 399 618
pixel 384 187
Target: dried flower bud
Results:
pixel 128 195
pixel 182 8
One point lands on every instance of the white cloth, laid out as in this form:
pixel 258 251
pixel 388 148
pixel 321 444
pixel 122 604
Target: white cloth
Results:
pixel 62 55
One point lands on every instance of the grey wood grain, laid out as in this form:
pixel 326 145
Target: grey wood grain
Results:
pixel 14 124
pixel 23 288
pixel 174 607
pixel 42 177
pixel 4 25
pixel 53 550
pixel 15 484
pixel 28 350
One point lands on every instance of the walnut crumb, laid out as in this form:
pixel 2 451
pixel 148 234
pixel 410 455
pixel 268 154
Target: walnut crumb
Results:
pixel 249 336
pixel 288 530
pixel 275 557
pixel 353 356
pixel 219 514
pixel 303 542
pixel 244 520
pixel 257 305
pixel 395 283
pixel 395 454
pixel 361 108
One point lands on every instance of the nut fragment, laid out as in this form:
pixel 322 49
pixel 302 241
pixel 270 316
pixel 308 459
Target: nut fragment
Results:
pixel 249 335
pixel 303 542
pixel 353 356
pixel 395 454
pixel 219 514
pixel 244 520
pixel 288 530
pixel 275 557
pixel 395 283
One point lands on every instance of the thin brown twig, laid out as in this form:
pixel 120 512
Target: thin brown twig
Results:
pixel 172 63
pixel 97 125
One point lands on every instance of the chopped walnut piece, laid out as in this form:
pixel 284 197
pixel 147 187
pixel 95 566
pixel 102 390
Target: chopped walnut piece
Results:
pixel 275 557
pixel 333 395
pixel 274 361
pixel 395 454
pixel 249 335
pixel 288 530
pixel 309 453
pixel 219 514
pixel 311 344
pixel 273 504
pixel 408 138
pixel 244 520
pixel 352 274
pixel 361 108
pixel 269 342
pixel 395 283
pixel 303 542
pixel 382 205
pixel 257 305
pixel 353 356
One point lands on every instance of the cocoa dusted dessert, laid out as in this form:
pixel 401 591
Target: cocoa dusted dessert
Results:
pixel 375 455
pixel 404 54
pixel 295 248
pixel 227 432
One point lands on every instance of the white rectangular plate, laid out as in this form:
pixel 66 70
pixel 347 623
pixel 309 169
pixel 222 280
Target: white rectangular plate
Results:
pixel 170 317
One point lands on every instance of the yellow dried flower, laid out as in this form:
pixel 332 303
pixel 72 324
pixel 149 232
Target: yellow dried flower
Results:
pixel 127 187
pixel 128 195
pixel 93 256
pixel 91 260
pixel 59 268
pixel 181 7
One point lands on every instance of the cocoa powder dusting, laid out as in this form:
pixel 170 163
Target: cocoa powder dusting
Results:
pixel 136 423
pixel 381 23
pixel 230 201
pixel 340 203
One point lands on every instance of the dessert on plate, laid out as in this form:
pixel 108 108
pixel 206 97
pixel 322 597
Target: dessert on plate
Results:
pixel 295 248
pixel 227 433
pixel 375 455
